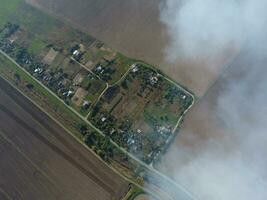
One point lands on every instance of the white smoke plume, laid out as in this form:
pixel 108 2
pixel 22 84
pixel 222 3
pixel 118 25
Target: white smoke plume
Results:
pixel 232 164
pixel 205 26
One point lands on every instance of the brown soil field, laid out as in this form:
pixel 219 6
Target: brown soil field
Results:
pixel 133 28
pixel 40 160
pixel 50 57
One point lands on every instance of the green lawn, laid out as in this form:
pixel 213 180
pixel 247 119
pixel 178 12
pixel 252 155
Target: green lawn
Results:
pixel 18 11
pixel 135 192
pixel 37 46
pixel 43 27
pixel 6 8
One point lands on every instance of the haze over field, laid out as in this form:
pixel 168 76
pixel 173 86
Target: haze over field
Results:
pixel 221 151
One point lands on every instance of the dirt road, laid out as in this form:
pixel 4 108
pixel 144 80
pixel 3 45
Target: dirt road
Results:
pixel 39 159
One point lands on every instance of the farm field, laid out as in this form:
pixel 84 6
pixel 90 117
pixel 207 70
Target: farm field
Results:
pixel 41 151
pixel 134 28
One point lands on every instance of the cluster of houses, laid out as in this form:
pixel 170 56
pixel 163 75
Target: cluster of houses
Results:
pixel 70 89
pixel 6 46
pixel 8 36
pixel 55 80
pixel 76 53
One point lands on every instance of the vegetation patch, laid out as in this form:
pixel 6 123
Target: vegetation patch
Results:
pixel 7 7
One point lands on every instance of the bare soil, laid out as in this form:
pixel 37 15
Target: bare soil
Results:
pixel 50 57
pixel 79 96
pixel 39 160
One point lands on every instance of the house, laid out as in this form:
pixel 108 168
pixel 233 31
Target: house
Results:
pixel 68 93
pixel 38 70
pixel 86 104
pixel 76 53
pixel 135 68
pixel 183 97
pixel 99 68
pixel 103 119
pixel 154 80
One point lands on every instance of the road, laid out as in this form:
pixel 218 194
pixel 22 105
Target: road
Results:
pixel 158 74
pixel 107 84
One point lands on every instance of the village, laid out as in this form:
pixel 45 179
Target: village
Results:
pixel 130 102
pixel 141 111
pixel 76 75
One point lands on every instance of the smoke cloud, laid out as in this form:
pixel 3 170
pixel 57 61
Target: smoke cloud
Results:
pixel 221 153
pixel 204 27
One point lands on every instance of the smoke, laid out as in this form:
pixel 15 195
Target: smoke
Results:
pixel 232 164
pixel 221 153
pixel 204 27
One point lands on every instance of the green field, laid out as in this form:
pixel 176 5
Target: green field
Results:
pixel 16 11
pixel 37 46
pixel 43 28
pixel 6 8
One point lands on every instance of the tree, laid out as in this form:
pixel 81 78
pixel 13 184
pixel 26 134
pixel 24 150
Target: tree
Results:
pixel 124 85
pixel 82 128
pixel 17 77
pixel 89 138
pixel 30 86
